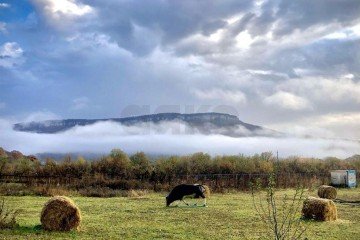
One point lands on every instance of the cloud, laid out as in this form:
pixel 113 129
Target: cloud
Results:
pixel 344 125
pixel 41 116
pixel 3 27
pixel 349 33
pixel 166 139
pixel 161 22
pixel 251 56
pixel 5 5
pixel 311 14
pixel 288 101
pixel 58 8
pixel 80 103
pixel 10 54
pixel 11 50
pixel 234 97
pixel 63 14
pixel 343 89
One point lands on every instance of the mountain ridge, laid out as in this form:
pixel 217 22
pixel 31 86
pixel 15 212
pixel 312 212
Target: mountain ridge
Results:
pixel 204 122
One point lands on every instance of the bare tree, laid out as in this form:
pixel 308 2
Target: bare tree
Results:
pixel 280 216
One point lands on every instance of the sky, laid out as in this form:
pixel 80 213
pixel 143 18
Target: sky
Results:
pixel 292 66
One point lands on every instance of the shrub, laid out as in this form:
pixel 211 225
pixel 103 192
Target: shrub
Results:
pixel 141 166
pixel 48 191
pixel 7 216
pixel 14 189
pixel 280 218
pixel 101 192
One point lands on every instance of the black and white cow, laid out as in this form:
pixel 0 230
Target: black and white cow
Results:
pixel 186 190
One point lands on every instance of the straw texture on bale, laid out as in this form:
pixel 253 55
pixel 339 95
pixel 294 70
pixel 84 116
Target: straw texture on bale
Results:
pixel 319 209
pixel 60 214
pixel 327 192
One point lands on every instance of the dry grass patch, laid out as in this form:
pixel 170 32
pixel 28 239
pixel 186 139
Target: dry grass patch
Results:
pixel 137 193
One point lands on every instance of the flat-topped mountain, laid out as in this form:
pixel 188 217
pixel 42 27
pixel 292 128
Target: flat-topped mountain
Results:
pixel 206 123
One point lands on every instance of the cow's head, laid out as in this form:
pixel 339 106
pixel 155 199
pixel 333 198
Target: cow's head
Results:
pixel 169 200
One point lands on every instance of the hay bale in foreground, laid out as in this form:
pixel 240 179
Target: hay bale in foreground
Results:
pixel 319 209
pixel 327 192
pixel 60 214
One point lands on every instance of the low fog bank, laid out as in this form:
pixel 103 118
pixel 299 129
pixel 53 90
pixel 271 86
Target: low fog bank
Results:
pixel 167 138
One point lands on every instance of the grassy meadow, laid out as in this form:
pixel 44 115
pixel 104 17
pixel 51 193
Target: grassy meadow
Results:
pixel 228 216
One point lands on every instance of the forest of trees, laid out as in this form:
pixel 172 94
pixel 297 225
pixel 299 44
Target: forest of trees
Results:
pixel 118 170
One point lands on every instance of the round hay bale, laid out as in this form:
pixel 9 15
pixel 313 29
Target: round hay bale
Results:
pixel 319 209
pixel 327 192
pixel 60 214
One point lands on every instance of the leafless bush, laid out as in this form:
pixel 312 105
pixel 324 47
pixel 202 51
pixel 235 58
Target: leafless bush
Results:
pixel 7 216
pixel 280 216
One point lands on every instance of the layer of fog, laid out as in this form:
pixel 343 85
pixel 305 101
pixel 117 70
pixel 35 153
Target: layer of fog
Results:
pixel 167 138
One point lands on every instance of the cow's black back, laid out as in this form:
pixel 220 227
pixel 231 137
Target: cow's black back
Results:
pixel 182 190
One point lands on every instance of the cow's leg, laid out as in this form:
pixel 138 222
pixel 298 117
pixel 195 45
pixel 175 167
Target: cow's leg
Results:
pixel 185 202
pixel 196 197
pixel 202 195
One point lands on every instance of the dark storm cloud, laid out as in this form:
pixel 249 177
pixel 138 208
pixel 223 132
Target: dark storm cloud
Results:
pixel 303 14
pixel 213 26
pixel 324 57
pixel 171 20
pixel 333 56
pixel 262 23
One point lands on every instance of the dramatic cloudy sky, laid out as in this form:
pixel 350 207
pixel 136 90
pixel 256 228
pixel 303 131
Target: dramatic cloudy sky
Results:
pixel 289 65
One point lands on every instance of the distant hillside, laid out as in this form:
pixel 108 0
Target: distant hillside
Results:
pixel 206 123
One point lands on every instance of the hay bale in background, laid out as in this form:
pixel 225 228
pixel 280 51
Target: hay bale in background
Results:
pixel 327 192
pixel 319 209
pixel 60 214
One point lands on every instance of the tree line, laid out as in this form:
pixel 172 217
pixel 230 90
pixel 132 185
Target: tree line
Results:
pixel 118 165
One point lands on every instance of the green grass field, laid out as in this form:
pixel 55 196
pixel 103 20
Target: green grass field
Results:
pixel 228 216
